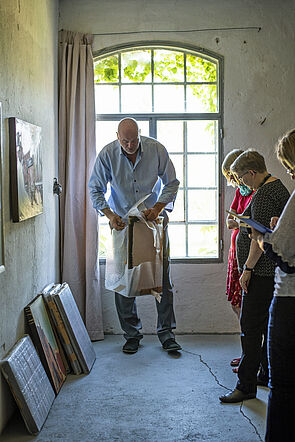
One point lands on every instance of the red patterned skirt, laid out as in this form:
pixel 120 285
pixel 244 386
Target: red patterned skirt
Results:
pixel 233 288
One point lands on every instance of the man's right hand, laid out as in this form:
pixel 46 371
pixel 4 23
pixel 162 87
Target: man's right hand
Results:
pixel 116 222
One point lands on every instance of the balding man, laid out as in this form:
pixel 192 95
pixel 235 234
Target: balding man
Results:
pixel 135 167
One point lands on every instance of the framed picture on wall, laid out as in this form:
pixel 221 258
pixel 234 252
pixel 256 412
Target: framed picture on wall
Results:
pixel 1 200
pixel 25 169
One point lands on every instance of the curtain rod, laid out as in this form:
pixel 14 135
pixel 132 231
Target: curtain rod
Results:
pixel 251 28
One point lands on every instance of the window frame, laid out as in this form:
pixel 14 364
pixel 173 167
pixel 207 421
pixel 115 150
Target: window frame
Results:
pixel 153 117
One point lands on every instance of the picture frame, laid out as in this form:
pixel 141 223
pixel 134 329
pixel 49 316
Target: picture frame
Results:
pixel 2 263
pixel 25 169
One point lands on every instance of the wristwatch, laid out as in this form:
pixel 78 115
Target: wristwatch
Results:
pixel 248 269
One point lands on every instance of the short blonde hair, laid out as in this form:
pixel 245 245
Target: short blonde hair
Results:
pixel 228 160
pixel 249 160
pixel 285 149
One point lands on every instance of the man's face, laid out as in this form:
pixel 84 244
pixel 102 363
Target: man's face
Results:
pixel 129 139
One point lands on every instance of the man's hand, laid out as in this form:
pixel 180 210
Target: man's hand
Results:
pixel 245 279
pixel 116 222
pixel 153 213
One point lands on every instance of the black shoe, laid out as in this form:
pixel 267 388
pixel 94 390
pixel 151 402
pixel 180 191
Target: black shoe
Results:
pixel 171 345
pixel 131 346
pixel 236 396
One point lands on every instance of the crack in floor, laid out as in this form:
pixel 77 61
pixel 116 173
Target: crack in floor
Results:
pixel 223 386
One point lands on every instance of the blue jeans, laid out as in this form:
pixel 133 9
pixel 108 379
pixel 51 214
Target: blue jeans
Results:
pixel 281 355
pixel 127 311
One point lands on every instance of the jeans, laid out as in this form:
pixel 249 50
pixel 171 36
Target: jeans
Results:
pixel 127 311
pixel 281 353
pixel 254 320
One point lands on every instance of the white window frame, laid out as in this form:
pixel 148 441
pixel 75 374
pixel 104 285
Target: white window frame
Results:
pixel 184 116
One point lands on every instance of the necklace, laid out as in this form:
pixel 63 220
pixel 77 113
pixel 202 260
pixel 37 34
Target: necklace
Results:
pixel 264 180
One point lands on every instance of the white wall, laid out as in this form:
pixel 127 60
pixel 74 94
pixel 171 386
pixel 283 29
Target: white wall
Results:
pixel 28 90
pixel 259 72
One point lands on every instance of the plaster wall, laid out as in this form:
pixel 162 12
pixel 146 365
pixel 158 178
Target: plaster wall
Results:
pixel 259 96
pixel 28 90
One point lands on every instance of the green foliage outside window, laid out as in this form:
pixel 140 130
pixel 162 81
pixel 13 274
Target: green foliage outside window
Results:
pixel 168 67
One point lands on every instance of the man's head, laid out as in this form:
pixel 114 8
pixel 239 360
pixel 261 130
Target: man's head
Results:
pixel 128 135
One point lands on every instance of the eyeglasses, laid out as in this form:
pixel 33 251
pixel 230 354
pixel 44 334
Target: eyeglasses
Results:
pixel 241 177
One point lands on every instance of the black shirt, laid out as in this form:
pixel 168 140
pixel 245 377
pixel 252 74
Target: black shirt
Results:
pixel 268 201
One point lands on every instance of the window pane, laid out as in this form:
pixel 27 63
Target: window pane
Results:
pixel 136 99
pixel 136 66
pixel 177 240
pixel 177 161
pixel 107 70
pixel 201 170
pixel 201 98
pixel 202 136
pixel 105 238
pixel 106 99
pixel 169 98
pixel 168 66
pixel 105 133
pixel 202 205
pixel 170 134
pixel 178 212
pixel 199 69
pixel 202 241
pixel 144 128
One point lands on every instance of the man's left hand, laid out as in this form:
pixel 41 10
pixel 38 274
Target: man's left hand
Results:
pixel 151 214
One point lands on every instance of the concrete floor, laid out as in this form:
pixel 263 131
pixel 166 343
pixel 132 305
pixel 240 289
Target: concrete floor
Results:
pixel 152 396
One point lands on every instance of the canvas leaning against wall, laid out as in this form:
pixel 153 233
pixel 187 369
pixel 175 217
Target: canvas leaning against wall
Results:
pixel 25 169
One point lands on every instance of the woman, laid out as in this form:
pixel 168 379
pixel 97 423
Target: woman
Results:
pixel 241 200
pixel 280 246
pixel 257 273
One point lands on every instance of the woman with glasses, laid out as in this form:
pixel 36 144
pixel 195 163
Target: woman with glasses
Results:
pixel 257 273
pixel 241 200
pixel 280 246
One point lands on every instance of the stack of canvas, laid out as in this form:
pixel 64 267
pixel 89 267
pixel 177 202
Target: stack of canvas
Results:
pixel 70 327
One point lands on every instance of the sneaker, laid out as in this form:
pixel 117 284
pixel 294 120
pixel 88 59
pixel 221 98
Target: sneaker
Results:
pixel 131 346
pixel 171 345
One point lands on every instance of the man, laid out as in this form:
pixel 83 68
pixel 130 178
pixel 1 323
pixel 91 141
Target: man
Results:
pixel 135 166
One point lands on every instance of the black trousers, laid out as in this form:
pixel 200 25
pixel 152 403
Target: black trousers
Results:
pixel 254 320
pixel 281 352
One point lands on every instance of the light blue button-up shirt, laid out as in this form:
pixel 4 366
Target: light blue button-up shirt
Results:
pixel 153 173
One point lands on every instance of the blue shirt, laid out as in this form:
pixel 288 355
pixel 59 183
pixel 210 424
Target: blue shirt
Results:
pixel 153 173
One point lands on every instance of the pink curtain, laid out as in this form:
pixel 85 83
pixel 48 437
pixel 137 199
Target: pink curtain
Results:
pixel 78 220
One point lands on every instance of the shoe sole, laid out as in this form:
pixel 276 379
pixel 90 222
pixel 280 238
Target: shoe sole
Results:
pixel 172 349
pixel 129 352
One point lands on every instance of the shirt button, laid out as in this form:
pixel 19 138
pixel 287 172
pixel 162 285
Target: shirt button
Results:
pixel 135 181
pixel 136 191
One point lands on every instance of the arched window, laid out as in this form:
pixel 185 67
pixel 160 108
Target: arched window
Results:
pixel 175 95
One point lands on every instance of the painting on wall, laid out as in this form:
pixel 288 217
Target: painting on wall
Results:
pixel 1 200
pixel 25 169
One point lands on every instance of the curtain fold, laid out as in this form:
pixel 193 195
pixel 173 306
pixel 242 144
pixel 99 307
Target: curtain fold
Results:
pixel 77 152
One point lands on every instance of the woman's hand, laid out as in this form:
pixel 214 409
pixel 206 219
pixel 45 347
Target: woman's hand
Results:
pixel 232 224
pixel 257 236
pixel 273 222
pixel 245 279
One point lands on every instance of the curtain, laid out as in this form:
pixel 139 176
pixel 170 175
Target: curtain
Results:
pixel 77 152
